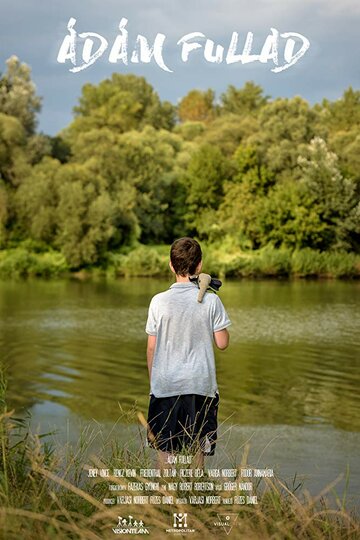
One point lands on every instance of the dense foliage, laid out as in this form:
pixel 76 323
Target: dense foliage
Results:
pixel 242 169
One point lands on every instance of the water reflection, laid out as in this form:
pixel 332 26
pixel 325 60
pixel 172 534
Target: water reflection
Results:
pixel 293 357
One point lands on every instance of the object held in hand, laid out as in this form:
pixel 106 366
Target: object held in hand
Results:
pixel 205 282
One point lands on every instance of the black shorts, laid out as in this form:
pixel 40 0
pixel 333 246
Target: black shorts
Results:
pixel 187 421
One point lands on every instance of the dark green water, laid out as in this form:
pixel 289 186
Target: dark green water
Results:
pixel 294 355
pixel 289 382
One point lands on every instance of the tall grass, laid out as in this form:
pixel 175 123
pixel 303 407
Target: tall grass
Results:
pixel 271 262
pixel 45 492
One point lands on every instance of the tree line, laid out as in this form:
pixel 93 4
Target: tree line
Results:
pixel 131 168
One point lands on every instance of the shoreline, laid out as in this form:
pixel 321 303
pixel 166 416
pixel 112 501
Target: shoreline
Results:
pixel 152 261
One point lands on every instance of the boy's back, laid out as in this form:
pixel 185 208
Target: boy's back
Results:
pixel 183 360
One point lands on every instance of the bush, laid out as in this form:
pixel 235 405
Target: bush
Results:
pixel 310 262
pixel 15 263
pixel 274 262
pixel 307 262
pixel 342 264
pixel 212 263
pixel 19 262
pixel 219 261
pixel 48 264
pixel 142 261
pixel 267 262
pixel 241 266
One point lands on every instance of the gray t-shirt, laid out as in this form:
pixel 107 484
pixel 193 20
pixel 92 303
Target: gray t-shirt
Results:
pixel 184 361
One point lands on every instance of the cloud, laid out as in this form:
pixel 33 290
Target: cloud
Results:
pixel 34 30
pixel 334 7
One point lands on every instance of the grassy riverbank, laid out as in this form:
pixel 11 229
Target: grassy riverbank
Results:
pixel 150 261
pixel 45 492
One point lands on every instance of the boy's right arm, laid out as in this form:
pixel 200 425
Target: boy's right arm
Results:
pixel 151 330
pixel 151 344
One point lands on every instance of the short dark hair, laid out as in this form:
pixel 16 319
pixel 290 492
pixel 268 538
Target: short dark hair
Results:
pixel 185 255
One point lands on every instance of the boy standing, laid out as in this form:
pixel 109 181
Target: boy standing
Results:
pixel 184 395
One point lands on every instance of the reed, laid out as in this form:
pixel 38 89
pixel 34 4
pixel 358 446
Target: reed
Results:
pixel 46 491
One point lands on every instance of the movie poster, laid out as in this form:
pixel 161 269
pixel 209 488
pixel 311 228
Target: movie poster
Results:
pixel 179 269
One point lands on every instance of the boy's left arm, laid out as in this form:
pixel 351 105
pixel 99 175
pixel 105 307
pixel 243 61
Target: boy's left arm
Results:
pixel 220 324
pixel 151 344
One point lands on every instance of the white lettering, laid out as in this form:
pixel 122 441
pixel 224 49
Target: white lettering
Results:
pixel 94 45
pixel 188 47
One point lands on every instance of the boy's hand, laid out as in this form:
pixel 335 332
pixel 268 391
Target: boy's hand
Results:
pixel 221 339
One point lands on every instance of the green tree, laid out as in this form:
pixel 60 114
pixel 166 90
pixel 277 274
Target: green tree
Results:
pixel 190 130
pixel 88 218
pixel 70 207
pixel 197 106
pixel 254 176
pixel 36 201
pixel 320 211
pixel 287 218
pixel 4 214
pixel 242 101
pixel 143 161
pixel 18 94
pixel 206 173
pixel 333 196
pixel 346 145
pixel 244 195
pixel 339 124
pixel 148 158
pixel 287 125
pixel 121 103
pixel 40 145
pixel 229 131
pixel 13 158
pixel 344 113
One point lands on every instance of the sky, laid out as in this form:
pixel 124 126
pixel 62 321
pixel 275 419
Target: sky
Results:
pixel 34 30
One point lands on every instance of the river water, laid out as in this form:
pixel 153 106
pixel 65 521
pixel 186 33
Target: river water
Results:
pixel 289 382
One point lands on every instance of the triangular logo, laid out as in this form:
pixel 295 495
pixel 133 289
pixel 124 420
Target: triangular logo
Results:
pixel 227 521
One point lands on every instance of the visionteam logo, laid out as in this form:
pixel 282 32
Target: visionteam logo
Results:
pixel 128 526
pixel 180 524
